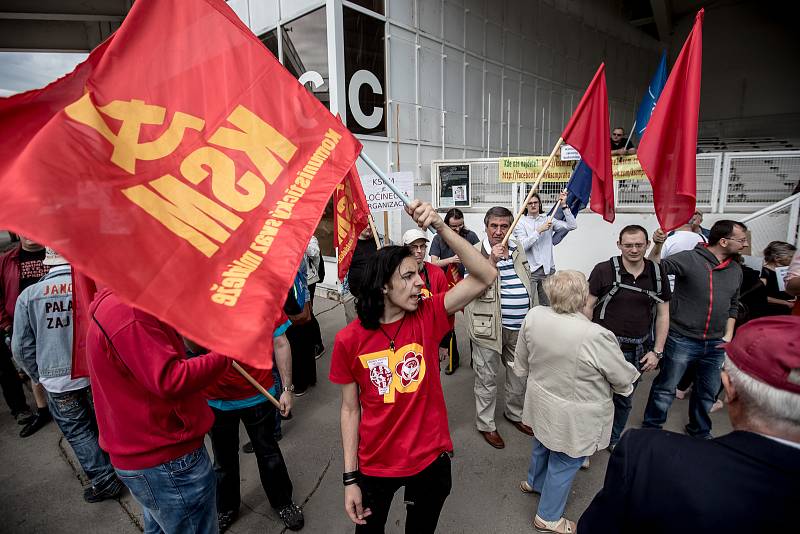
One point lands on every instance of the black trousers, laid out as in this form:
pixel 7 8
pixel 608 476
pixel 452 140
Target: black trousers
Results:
pixel 10 382
pixel 304 366
pixel 450 343
pixel 314 329
pixel 424 496
pixel 259 421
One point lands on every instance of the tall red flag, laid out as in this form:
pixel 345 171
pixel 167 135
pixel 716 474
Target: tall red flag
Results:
pixel 182 166
pixel 351 213
pixel 588 132
pixel 669 145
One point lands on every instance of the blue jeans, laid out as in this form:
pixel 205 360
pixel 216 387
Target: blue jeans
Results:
pixel 550 474
pixel 73 412
pixel 680 352
pixel 178 496
pixel 622 404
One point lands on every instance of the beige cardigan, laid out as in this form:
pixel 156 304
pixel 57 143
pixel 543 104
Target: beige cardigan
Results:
pixel 573 367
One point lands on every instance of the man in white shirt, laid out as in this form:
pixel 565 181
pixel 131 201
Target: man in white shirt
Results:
pixel 683 238
pixel 535 234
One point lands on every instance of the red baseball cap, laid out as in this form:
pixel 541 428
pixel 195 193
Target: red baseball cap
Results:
pixel 768 349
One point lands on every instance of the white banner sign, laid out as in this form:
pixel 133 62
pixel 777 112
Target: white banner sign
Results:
pixel 380 197
pixel 569 154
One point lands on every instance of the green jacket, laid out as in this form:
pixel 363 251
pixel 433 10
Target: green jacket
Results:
pixel 483 315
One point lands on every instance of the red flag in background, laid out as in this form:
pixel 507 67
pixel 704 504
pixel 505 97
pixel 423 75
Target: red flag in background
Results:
pixel 182 166
pixel 669 145
pixel 350 217
pixel 588 132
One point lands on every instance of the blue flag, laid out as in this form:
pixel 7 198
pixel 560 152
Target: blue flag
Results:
pixel 651 97
pixel 579 188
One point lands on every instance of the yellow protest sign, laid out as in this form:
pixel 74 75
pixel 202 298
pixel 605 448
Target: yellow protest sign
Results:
pixel 526 169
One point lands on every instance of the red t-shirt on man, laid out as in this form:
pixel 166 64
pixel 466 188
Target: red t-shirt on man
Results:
pixel 403 425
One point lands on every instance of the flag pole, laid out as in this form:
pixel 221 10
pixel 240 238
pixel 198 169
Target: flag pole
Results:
pixel 533 189
pixel 256 385
pixel 630 135
pixel 552 213
pixel 371 164
pixel 371 222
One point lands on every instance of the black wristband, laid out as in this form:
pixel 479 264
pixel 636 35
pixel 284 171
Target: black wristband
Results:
pixel 351 478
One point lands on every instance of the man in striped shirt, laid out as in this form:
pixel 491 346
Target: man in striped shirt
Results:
pixel 493 321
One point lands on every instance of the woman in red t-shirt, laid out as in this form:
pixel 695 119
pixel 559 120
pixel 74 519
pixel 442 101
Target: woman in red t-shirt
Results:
pixel 394 419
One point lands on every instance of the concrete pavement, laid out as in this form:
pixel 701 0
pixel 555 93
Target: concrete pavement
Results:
pixel 40 490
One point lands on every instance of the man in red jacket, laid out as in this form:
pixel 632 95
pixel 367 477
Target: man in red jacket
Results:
pixel 152 414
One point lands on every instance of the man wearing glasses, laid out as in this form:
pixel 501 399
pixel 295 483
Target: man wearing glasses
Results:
pixel 620 144
pixel 629 295
pixel 702 316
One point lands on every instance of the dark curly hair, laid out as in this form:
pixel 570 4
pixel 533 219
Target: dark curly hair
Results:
pixel 377 274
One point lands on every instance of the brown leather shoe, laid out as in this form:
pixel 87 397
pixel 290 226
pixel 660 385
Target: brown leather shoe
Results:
pixel 493 439
pixel 519 425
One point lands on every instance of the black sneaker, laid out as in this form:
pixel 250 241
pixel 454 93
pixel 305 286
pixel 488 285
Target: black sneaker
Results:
pixel 292 516
pixel 111 490
pixel 247 448
pixel 319 350
pixel 24 417
pixel 39 420
pixel 226 519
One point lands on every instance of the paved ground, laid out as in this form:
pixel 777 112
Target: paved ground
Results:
pixel 40 490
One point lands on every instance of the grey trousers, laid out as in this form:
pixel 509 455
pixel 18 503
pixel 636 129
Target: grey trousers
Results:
pixel 486 363
pixel 349 309
pixel 537 287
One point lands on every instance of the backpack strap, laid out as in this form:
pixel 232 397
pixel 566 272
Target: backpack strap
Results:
pixel 617 285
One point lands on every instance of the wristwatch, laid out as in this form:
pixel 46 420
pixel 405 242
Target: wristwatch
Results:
pixel 289 388
pixel 658 354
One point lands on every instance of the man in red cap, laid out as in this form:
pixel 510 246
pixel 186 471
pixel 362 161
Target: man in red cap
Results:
pixel 746 481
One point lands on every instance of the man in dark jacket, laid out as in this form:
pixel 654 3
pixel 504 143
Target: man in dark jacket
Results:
pixel 702 315
pixel 747 481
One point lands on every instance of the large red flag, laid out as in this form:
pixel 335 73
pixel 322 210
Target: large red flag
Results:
pixel 351 213
pixel 588 132
pixel 669 145
pixel 182 166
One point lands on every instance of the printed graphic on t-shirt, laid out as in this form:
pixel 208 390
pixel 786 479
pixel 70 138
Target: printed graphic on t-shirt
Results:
pixel 30 271
pixel 395 372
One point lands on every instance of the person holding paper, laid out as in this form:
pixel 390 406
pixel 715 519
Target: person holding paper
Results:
pixel 777 257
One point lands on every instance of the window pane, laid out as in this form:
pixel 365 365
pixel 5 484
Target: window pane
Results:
pixel 364 67
pixel 373 5
pixel 305 50
pixel 270 40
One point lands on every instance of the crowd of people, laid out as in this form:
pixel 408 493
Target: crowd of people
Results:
pixel 570 351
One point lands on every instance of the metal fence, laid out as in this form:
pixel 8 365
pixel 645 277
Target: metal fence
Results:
pixel 778 222
pixel 729 181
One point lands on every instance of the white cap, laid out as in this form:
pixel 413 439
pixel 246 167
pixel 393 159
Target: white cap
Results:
pixel 52 258
pixel 414 234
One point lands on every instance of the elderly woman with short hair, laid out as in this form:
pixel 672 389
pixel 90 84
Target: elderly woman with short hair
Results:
pixel 573 367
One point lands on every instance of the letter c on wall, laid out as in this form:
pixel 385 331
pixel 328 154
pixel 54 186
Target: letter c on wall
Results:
pixel 360 78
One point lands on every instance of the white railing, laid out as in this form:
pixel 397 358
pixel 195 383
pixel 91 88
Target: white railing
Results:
pixel 726 182
pixel 778 222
